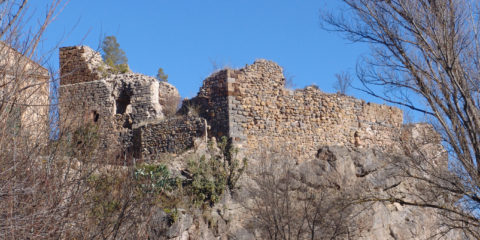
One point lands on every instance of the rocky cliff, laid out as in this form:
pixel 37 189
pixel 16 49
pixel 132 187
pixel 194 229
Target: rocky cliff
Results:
pixel 341 193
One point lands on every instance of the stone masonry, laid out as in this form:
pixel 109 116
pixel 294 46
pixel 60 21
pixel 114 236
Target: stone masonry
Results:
pixel 173 135
pixel 117 103
pixel 252 106
pixel 80 64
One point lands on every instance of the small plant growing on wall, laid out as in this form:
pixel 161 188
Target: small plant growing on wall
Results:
pixel 161 76
pixel 343 82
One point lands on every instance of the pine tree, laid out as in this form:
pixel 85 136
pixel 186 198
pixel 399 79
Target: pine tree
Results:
pixel 161 76
pixel 114 56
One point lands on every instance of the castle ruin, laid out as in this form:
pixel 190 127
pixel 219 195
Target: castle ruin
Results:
pixel 258 114
pixel 250 106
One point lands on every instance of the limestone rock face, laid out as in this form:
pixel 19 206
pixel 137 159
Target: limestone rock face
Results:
pixel 356 174
pixel 349 172
pixel 369 172
pixel 168 97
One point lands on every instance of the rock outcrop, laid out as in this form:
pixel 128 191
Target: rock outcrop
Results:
pixel 334 179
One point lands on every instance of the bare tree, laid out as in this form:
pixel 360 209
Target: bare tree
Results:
pixel 42 184
pixel 426 56
pixel 286 207
pixel 343 82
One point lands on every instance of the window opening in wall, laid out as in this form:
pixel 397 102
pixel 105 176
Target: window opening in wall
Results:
pixel 122 103
pixel 95 116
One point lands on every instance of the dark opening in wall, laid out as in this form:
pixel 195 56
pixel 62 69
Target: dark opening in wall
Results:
pixel 95 116
pixel 128 122
pixel 122 102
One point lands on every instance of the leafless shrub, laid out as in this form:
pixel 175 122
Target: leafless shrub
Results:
pixel 285 207
pixel 289 83
pixel 44 180
pixel 191 108
pixel 170 105
pixel 37 197
pixel 425 56
pixel 343 82
pixel 219 65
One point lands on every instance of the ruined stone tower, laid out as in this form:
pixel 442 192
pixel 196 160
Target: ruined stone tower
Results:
pixel 116 103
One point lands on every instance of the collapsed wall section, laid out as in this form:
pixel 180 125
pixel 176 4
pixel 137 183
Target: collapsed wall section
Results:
pixel 121 105
pixel 169 98
pixel 212 103
pixel 136 95
pixel 262 115
pixel 80 64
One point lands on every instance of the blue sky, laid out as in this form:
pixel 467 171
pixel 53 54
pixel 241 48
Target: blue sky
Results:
pixel 185 37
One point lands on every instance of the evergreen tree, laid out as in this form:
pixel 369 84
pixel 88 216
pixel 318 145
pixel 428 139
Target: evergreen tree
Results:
pixel 114 56
pixel 161 76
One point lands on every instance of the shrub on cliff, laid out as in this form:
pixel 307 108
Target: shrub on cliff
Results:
pixel 210 177
pixel 155 179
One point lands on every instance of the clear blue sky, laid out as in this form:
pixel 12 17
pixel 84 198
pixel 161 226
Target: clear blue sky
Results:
pixel 185 37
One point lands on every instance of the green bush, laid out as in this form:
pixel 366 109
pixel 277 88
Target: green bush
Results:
pixel 211 177
pixel 208 180
pixel 153 184
pixel 155 179
pixel 172 214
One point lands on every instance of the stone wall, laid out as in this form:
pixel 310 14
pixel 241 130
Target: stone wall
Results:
pixel 169 98
pixel 136 95
pixel 121 105
pixel 115 103
pixel 88 103
pixel 211 103
pixel 173 135
pixel 264 115
pixel 80 64
pixel 250 105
